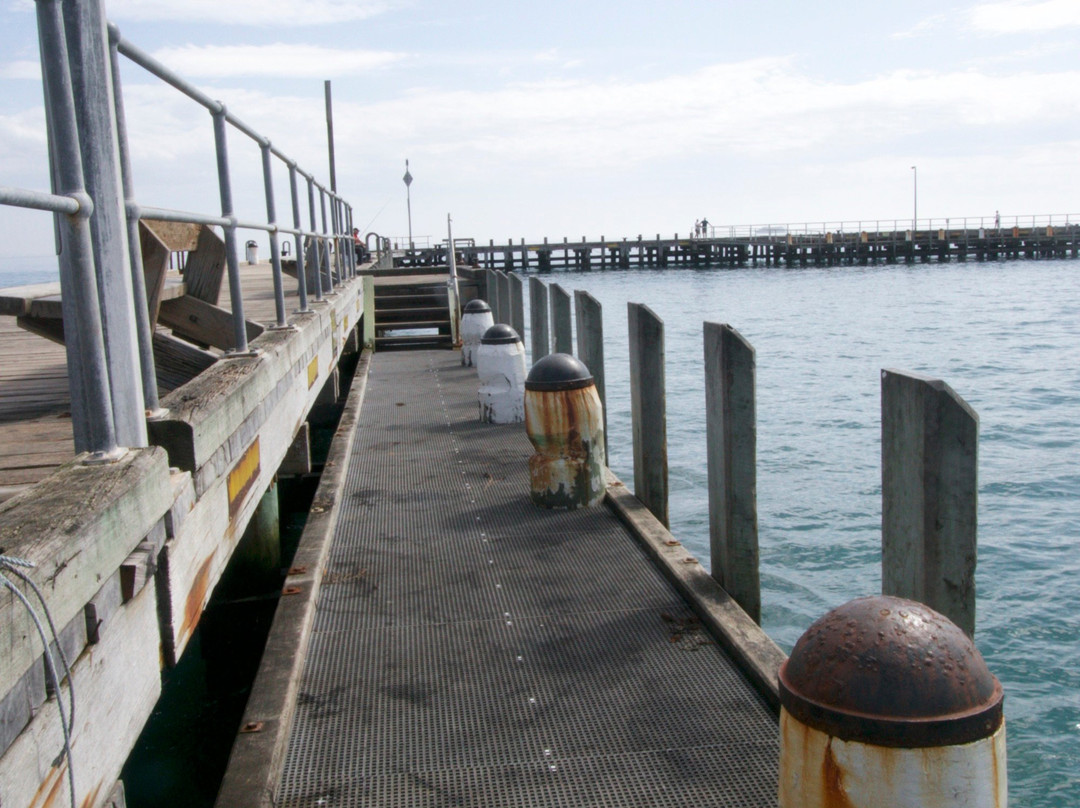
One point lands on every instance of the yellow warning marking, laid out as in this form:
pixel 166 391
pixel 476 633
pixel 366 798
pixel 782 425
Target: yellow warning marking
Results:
pixel 312 372
pixel 243 476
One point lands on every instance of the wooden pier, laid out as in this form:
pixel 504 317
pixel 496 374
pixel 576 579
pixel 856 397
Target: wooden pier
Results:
pixel 127 553
pixel 850 248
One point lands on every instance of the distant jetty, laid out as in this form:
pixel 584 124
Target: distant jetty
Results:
pixel 1029 237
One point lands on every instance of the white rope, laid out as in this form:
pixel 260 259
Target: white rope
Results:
pixel 67 719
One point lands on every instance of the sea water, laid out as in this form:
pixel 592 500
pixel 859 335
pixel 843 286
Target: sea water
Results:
pixel 1005 336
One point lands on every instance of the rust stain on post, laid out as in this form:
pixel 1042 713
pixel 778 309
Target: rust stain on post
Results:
pixel 194 602
pixel 242 477
pixel 832 781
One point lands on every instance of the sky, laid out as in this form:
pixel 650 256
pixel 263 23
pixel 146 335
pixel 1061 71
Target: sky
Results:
pixel 590 117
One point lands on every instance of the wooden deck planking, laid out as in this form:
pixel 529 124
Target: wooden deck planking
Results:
pixel 35 427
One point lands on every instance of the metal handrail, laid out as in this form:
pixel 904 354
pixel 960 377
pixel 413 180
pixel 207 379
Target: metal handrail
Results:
pixel 96 414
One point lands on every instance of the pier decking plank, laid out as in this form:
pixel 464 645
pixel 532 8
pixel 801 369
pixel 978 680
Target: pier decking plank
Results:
pixel 471 649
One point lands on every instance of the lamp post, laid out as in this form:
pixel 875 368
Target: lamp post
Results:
pixel 407 179
pixel 915 210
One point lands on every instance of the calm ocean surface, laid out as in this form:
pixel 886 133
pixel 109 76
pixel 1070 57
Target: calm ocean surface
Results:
pixel 1005 336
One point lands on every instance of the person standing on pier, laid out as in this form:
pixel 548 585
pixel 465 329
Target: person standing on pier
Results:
pixel 704 227
pixel 697 228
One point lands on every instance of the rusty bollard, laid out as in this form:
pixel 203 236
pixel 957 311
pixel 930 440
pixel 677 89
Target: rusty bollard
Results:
pixel 500 364
pixel 886 703
pixel 475 320
pixel 565 422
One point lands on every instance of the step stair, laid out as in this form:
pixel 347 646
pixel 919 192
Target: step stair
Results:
pixel 412 315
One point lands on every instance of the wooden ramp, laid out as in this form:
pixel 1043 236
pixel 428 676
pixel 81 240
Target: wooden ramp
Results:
pixel 467 648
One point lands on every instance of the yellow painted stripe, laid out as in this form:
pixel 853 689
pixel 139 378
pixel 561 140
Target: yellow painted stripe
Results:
pixel 312 372
pixel 242 476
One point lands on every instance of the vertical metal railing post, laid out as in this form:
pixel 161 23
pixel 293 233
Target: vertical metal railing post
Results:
pixel 316 252
pixel 335 261
pixel 326 241
pixel 355 265
pixel 144 328
pixel 92 92
pixel 316 245
pixel 225 187
pixel 301 271
pixel 91 404
pixel 275 249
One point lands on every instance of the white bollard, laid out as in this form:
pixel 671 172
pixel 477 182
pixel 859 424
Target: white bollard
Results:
pixel 565 422
pixel 500 363
pixel 475 320
pixel 252 252
pixel 888 704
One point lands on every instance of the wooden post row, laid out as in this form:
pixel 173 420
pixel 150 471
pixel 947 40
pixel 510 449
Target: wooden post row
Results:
pixel 517 305
pixel 538 319
pixel 647 409
pixel 589 315
pixel 560 320
pixel 731 446
pixel 929 492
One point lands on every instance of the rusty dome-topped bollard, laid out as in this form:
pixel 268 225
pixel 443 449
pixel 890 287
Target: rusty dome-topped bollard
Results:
pixel 888 704
pixel 565 422
pixel 475 320
pixel 500 363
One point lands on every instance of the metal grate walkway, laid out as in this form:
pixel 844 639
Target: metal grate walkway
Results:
pixel 470 649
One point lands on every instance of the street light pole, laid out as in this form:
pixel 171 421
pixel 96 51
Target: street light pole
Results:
pixel 915 211
pixel 407 179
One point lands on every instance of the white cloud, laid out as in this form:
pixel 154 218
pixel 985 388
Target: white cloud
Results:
pixel 25 69
pixel 248 12
pixel 1016 16
pixel 279 59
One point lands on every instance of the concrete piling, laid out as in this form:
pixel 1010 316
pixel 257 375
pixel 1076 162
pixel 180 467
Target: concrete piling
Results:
pixel 565 423
pixel 731 446
pixel 648 409
pixel 885 703
pixel 929 491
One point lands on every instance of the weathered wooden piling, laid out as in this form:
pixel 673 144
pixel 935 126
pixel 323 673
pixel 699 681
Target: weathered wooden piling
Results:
pixel 648 409
pixel 561 326
pixel 731 446
pixel 538 319
pixel 929 491
pixel 517 302
pixel 589 315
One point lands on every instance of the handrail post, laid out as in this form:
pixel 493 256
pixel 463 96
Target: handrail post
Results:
pixel 731 449
pixel 929 491
pixel 144 329
pixel 90 71
pixel 301 276
pixel 326 241
pixel 236 297
pixel 316 245
pixel 91 404
pixel 275 249
pixel 648 409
